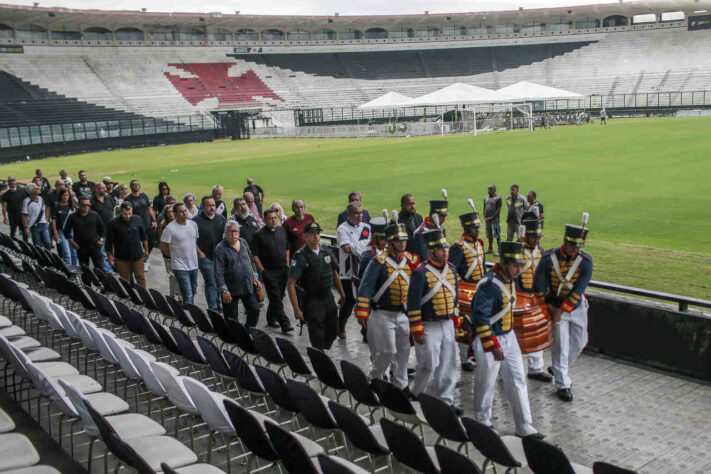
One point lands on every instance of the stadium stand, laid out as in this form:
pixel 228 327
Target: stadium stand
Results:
pixel 23 104
pixel 143 80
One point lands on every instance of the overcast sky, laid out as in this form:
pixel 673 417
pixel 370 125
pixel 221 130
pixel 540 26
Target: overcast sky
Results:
pixel 311 7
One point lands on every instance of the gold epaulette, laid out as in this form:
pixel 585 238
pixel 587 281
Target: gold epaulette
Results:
pixel 381 258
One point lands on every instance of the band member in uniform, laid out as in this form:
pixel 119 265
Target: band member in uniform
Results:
pixel 378 242
pixel 496 346
pixel 467 256
pixel 561 279
pixel 438 208
pixel 316 270
pixel 531 232
pixel 383 290
pixel 432 304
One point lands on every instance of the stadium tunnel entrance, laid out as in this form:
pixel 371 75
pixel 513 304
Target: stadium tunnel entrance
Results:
pixel 231 124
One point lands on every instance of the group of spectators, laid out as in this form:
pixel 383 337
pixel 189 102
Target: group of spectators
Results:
pixel 240 252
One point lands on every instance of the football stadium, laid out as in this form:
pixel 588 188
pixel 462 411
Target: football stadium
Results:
pixel 439 242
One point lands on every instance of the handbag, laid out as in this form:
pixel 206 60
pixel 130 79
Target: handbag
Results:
pixel 257 291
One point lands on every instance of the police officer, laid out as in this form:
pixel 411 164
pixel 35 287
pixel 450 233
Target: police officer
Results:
pixel 561 279
pixel 467 256
pixel 383 289
pixel 432 304
pixel 531 232
pixel 438 208
pixel 316 270
pixel 496 346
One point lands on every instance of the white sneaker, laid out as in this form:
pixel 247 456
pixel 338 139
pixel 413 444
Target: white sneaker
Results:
pixel 146 265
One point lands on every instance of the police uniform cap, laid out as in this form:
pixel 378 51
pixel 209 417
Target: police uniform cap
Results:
pixel 312 227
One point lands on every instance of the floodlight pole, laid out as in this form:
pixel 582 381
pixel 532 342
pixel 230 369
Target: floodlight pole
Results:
pixel 475 120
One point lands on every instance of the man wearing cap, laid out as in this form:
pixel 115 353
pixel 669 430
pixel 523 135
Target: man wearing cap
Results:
pixel 561 279
pixel 532 232
pixel 316 270
pixel 496 346
pixel 383 289
pixel 432 305
pixel 467 256
pixel 353 237
pixel 378 242
pixel 437 208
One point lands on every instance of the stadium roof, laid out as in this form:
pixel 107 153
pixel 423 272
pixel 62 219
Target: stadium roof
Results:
pixel 15 15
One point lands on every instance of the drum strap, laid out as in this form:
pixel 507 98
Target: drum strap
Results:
pixel 477 257
pixel 533 259
pixel 510 295
pixel 565 282
pixel 441 280
pixel 397 271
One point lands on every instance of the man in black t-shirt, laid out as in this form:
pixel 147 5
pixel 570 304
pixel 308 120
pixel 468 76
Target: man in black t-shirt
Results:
pixel 103 205
pixel 270 246
pixel 83 187
pixel 211 227
pixel 46 187
pixel 12 199
pixel 127 244
pixel 87 230
pixel 142 208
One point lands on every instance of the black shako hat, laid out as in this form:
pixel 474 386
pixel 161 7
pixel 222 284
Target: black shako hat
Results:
pixel 436 238
pixel 512 251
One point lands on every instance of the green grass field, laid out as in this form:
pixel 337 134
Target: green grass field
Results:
pixel 644 182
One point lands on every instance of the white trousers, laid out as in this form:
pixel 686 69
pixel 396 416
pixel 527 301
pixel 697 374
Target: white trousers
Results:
pixel 570 335
pixel 436 362
pixel 514 378
pixel 463 351
pixel 389 341
pixel 535 362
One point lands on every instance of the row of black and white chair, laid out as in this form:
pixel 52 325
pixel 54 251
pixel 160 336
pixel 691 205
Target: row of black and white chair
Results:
pixel 233 372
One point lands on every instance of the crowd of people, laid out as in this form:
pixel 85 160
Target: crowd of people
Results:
pixel 396 272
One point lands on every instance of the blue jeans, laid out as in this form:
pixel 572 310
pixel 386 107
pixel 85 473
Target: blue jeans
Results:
pixel 40 235
pixel 107 268
pixel 207 269
pixel 69 253
pixel 187 282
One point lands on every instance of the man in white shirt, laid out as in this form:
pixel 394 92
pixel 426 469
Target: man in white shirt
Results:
pixel 179 242
pixel 353 238
pixel 34 217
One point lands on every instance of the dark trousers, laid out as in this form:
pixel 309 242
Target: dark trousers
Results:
pixel 321 315
pixel 251 306
pixel 275 286
pixel 350 288
pixel 15 221
pixel 84 254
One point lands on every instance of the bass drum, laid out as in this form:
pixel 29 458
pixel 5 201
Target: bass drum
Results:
pixel 532 323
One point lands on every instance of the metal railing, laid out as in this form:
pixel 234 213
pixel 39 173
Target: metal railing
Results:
pixel 683 301
pixel 649 100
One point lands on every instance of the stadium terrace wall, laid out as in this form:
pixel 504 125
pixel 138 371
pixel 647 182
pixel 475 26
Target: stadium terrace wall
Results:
pixel 650 333
pixel 8 155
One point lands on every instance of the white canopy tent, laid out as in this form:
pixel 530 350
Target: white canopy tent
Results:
pixel 459 94
pixel 391 100
pixel 525 91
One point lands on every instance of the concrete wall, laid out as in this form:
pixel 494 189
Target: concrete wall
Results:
pixel 651 333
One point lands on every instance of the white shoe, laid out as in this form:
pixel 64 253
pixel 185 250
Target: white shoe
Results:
pixel 146 265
